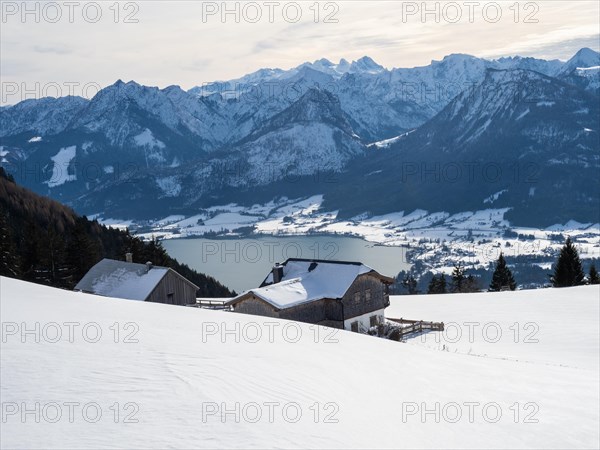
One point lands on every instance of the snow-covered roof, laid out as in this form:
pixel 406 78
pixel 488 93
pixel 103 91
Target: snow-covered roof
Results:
pixel 304 281
pixel 121 279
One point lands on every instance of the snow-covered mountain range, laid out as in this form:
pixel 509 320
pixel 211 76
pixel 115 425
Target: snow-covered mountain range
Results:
pixel 134 151
pixel 530 136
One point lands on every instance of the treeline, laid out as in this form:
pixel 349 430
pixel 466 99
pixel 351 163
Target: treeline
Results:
pixel 45 242
pixel 567 271
pixel 458 282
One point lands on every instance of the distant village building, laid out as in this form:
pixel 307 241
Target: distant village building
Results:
pixel 338 294
pixel 144 282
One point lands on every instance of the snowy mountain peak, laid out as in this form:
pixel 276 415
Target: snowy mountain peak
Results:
pixel 362 65
pixel 456 57
pixel 551 67
pixel 322 65
pixel 456 60
pixel 586 57
pixel 47 115
pixel 316 105
pixel 121 83
pixel 324 62
pixel 172 88
pixel 365 65
pixel 499 91
pixel 343 65
pixel 526 105
pixel 120 89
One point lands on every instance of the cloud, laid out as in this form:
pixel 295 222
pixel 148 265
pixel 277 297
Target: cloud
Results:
pixel 564 49
pixel 172 45
pixel 560 42
pixel 15 68
pixel 197 64
pixel 57 50
pixel 265 44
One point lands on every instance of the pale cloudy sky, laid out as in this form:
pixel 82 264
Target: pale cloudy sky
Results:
pixel 188 43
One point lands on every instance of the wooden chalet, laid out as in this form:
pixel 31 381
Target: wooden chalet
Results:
pixel 143 282
pixel 338 294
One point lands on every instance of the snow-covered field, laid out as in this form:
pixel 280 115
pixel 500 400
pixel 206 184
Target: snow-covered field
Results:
pixel 173 377
pixel 556 327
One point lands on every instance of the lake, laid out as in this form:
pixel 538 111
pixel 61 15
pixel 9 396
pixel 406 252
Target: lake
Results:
pixel 243 263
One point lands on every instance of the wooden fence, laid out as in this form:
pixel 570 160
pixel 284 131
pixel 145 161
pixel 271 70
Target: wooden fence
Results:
pixel 208 303
pixel 416 326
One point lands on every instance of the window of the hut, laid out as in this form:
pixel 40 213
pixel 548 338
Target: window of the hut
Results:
pixel 357 297
pixel 373 320
pixel 354 326
pixel 368 295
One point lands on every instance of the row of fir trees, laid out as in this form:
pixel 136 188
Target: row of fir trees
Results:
pixel 568 271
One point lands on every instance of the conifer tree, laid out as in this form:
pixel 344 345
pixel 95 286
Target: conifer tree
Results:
pixel 82 251
pixel 9 258
pixel 437 285
pixel 433 285
pixel 502 279
pixel 471 284
pixel 30 251
pixel 52 268
pixel 442 285
pixel 156 253
pixel 410 284
pixel 568 270
pixel 458 278
pixel 593 278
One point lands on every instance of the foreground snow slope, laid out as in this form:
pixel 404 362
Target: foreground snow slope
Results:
pixel 546 326
pixel 177 369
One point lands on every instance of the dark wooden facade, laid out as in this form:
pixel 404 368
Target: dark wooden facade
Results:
pixel 367 294
pixel 173 289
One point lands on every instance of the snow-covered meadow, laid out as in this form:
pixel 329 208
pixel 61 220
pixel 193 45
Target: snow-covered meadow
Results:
pixel 124 374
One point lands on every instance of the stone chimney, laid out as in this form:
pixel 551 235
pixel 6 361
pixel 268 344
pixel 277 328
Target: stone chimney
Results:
pixel 129 257
pixel 277 273
pixel 148 266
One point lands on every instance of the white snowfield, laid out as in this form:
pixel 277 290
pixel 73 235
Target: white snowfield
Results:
pixel 553 327
pixel 176 377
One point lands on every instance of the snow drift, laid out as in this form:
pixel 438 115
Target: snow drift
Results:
pixel 109 373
